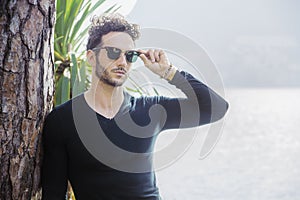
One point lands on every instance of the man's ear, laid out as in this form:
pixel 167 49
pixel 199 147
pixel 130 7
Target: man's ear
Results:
pixel 91 57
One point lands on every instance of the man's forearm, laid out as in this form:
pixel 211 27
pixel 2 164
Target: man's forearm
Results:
pixel 210 104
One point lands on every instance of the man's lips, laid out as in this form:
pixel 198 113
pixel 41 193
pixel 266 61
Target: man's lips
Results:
pixel 120 71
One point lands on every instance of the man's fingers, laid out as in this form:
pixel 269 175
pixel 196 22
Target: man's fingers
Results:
pixel 162 55
pixel 156 55
pixel 151 55
pixel 142 51
pixel 145 59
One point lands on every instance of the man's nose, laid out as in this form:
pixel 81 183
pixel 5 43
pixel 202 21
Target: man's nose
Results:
pixel 122 60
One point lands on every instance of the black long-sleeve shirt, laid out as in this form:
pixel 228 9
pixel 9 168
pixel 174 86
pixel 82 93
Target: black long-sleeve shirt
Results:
pixel 111 159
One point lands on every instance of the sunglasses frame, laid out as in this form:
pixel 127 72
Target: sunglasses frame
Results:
pixel 108 50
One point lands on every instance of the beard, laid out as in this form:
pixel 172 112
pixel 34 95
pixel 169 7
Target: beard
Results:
pixel 104 75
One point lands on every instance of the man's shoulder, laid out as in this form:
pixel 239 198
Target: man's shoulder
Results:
pixel 66 107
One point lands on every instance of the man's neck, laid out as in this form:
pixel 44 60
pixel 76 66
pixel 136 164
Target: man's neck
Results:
pixel 105 99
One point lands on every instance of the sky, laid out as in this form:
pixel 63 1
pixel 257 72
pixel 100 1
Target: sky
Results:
pixel 250 43
pixel 125 9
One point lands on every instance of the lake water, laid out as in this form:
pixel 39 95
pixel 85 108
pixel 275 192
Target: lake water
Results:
pixel 256 158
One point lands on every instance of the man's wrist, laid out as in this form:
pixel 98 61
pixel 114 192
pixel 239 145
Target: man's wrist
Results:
pixel 171 73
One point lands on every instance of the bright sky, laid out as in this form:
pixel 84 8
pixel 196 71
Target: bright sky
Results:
pixel 126 6
pixel 252 42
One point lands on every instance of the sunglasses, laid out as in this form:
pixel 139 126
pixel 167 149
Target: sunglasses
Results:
pixel 114 53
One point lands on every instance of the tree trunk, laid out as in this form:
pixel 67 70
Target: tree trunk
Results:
pixel 26 93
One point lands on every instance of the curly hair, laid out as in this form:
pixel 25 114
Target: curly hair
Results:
pixel 110 23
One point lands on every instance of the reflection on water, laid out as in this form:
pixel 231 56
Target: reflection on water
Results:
pixel 257 156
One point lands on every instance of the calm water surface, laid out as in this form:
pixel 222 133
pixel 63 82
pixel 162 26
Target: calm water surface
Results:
pixel 256 158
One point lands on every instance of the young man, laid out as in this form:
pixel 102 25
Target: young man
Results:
pixel 102 141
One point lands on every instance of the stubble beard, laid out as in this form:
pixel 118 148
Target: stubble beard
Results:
pixel 105 77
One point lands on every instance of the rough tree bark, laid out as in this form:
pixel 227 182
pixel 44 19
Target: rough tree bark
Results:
pixel 26 92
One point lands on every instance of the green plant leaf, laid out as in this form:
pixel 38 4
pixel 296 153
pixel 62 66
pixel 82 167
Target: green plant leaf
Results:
pixel 80 82
pixel 110 8
pixel 65 89
pixel 133 90
pixel 96 6
pixel 80 22
pixel 58 56
pixel 73 69
pixel 155 91
pixel 62 90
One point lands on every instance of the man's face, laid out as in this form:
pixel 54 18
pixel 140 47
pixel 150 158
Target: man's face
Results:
pixel 110 71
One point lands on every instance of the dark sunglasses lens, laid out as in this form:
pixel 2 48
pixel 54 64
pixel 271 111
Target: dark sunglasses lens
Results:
pixel 113 53
pixel 132 56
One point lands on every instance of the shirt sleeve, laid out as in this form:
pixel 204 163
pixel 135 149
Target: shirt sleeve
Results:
pixel 54 167
pixel 201 106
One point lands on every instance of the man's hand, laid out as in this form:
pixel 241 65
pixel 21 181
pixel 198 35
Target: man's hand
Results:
pixel 157 61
